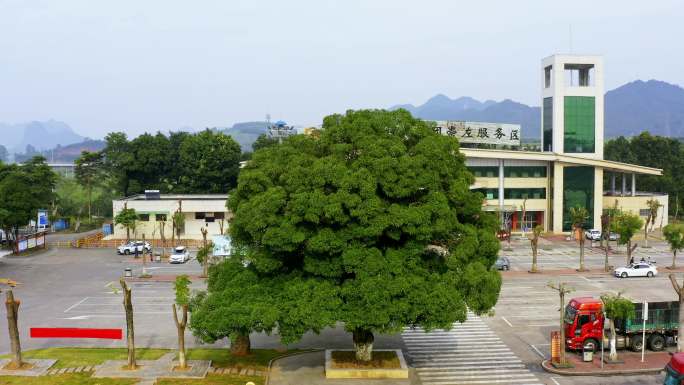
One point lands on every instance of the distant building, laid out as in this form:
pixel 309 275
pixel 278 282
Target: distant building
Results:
pixel 199 210
pixel 66 170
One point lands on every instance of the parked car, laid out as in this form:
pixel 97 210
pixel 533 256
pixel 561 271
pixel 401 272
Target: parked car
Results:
pixel 593 234
pixel 613 236
pixel 130 247
pixel 639 269
pixel 180 255
pixel 503 263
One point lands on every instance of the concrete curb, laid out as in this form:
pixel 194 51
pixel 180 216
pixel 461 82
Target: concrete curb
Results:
pixel 546 365
pixel 285 355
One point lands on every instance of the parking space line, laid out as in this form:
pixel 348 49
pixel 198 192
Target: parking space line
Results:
pixel 538 352
pixel 554 380
pixel 76 304
pixel 506 321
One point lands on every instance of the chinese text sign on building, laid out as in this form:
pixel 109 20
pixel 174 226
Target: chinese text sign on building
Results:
pixel 479 132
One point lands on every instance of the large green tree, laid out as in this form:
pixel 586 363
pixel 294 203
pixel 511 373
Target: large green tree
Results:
pixel 88 173
pixel 626 225
pixel 210 162
pixel 377 207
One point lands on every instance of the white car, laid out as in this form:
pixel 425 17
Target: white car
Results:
pixel 180 255
pixel 130 247
pixel 639 269
pixel 593 234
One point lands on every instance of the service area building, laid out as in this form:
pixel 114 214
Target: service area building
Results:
pixel 153 209
pixel 570 169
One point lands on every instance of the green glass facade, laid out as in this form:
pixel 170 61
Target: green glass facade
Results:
pixel 547 114
pixel 579 124
pixel 578 190
pixel 522 193
pixel 484 171
pixel 525 171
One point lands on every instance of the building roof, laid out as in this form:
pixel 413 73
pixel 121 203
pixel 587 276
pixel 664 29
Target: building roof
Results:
pixel 176 197
pixel 557 157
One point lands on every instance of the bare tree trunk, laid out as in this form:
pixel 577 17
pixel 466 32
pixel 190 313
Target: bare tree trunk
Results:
pixel 605 259
pixel 240 345
pixel 205 262
pixel 613 348
pixel 562 326
pixel 674 259
pixel 646 232
pixel 535 245
pixel 12 307
pixel 678 289
pixel 363 344
pixel 180 326
pixel 130 331
pixel 581 242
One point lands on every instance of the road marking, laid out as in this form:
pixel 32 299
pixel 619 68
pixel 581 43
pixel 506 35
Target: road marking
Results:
pixel 76 304
pixel 554 381
pixel 585 278
pixel 506 321
pixel 538 352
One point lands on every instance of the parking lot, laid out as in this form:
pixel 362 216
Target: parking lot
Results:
pixel 75 288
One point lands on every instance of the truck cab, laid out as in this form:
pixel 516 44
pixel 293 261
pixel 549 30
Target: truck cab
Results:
pixel 583 323
pixel 674 371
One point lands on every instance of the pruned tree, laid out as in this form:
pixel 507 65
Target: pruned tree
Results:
pixel 128 219
pixel 130 330
pixel 653 206
pixel 674 235
pixel 562 290
pixel 162 237
pixel 12 306
pixel 679 289
pixel 616 307
pixel 534 242
pixel 203 255
pixel 626 225
pixel 579 216
pixel 182 289
pixel 606 229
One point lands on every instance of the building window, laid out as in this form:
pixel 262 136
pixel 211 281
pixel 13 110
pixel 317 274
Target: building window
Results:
pixel 489 193
pixel 547 76
pixel 578 190
pixel 579 75
pixel 644 212
pixel 144 217
pixel 579 124
pixel 547 115
pixel 525 171
pixel 219 215
pixel 199 215
pixel 525 193
pixel 209 217
pixel 160 217
pixel 484 171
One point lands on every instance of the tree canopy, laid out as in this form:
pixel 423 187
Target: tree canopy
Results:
pixel 204 162
pixel 351 214
pixel 626 224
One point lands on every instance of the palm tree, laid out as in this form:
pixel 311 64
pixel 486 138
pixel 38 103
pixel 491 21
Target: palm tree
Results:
pixel 579 216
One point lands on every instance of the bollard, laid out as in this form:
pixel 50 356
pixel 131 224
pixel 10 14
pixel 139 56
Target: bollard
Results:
pixel 128 272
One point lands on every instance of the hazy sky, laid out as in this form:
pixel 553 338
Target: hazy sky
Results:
pixel 159 65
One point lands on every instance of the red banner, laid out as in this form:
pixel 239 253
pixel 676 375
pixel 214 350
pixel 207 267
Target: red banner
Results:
pixel 110 334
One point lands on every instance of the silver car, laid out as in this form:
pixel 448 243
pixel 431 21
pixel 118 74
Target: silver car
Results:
pixel 180 255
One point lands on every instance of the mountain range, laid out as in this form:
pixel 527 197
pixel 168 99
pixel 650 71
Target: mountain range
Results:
pixel 638 106
pixel 653 105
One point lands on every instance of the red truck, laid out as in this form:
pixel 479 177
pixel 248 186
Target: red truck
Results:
pixel 674 371
pixel 584 323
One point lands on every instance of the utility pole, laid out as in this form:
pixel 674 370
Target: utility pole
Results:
pixel 562 290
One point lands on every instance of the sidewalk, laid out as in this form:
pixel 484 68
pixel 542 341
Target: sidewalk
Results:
pixel 518 273
pixel 308 368
pixel 654 362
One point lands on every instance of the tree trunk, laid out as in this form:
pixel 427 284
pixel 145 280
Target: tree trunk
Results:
pixel 130 331
pixel 562 326
pixel 629 251
pixel 613 348
pixel 128 234
pixel 605 259
pixel 534 256
pixel 12 307
pixel 680 341
pixel 363 343
pixel 240 344
pixel 90 204
pixel 674 258
pixel 180 325
pixel 646 233
pixel 581 242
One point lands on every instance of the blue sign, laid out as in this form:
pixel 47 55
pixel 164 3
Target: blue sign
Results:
pixel 222 247
pixel 42 218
